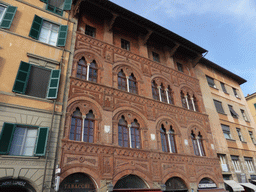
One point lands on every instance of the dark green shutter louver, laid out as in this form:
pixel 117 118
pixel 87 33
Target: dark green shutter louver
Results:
pixel 255 105
pixel 53 86
pixel 45 1
pixel 6 137
pixel 67 5
pixel 41 142
pixel 22 77
pixel 63 31
pixel 8 17
pixel 36 27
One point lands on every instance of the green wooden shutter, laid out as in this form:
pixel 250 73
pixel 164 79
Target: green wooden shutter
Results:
pixel 6 137
pixel 63 31
pixel 8 17
pixel 45 1
pixel 53 86
pixel 22 77
pixel 41 142
pixel 36 27
pixel 67 5
pixel 255 105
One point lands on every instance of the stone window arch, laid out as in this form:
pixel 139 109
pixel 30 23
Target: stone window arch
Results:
pixel 127 82
pixel 87 70
pixel 133 88
pixel 122 83
pixel 197 142
pixel 168 139
pixel 82 128
pixel 188 99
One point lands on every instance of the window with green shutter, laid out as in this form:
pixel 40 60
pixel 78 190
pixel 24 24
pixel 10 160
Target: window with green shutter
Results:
pixel 37 81
pixel 6 16
pixel 23 140
pixel 48 32
pixel 58 6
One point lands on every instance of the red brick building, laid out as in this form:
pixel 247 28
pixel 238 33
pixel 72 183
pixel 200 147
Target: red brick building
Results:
pixel 135 115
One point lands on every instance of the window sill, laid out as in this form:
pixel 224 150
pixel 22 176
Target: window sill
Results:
pixel 226 173
pixel 222 113
pixel 244 142
pixel 214 87
pixel 34 98
pixel 226 93
pixel 20 157
pixel 231 139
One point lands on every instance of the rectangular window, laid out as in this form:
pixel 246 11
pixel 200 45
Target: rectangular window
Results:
pixel 249 164
pixel 180 67
pixel 211 82
pixel 218 106
pixel 235 92
pixel 226 131
pixel 7 14
pixel 57 6
pixel 48 32
pixel 23 140
pixel 223 163
pixel 156 57
pixel 239 134
pixel 91 31
pixel 255 105
pixel 252 137
pixel 223 87
pixel 37 81
pixel 236 163
pixel 244 115
pixel 125 44
pixel 232 112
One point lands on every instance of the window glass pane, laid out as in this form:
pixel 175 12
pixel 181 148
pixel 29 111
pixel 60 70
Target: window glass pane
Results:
pixel 43 37
pixel 210 81
pixel 17 142
pixel 218 106
pixel 2 10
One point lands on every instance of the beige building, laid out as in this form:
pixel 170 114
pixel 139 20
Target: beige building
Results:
pixel 231 122
pixel 35 52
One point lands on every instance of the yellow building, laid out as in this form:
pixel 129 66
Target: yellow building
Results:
pixel 35 53
pixel 232 124
pixel 251 101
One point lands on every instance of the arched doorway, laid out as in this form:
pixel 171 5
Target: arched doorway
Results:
pixel 207 183
pixel 15 185
pixel 175 184
pixel 77 182
pixel 130 182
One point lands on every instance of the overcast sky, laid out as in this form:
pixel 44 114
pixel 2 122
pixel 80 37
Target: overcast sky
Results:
pixel 226 28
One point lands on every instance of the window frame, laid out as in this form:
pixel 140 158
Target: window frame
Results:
pixel 7 136
pixel 218 106
pixel 226 131
pixel 236 164
pixel 36 29
pixel 125 44
pixel 223 162
pixel 59 11
pixel 90 31
pixel 156 56
pixel 235 92
pixel 252 137
pixel 180 67
pixel 240 136
pixel 211 82
pixel 22 78
pixel 232 112
pixel 249 164
pixel 223 87
pixel 244 115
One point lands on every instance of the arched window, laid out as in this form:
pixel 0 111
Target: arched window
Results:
pixel 170 95
pixel 123 133
pixel 155 91
pixel 197 144
pixel 164 139
pixel 82 129
pixel 183 100
pixel 172 140
pixel 89 123
pixel 195 103
pixel 132 84
pixel 93 72
pixel 76 126
pixel 122 81
pixel 81 69
pixel 163 94
pixel 135 134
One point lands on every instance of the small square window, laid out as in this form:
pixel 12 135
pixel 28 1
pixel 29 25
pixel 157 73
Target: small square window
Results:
pixel 244 115
pixel 249 164
pixel 223 87
pixel 252 137
pixel 211 82
pixel 156 57
pixel 91 31
pixel 226 131
pixel 125 44
pixel 236 163
pixel 180 67
pixel 232 112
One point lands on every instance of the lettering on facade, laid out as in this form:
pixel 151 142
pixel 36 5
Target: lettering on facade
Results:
pixel 79 186
pixel 13 183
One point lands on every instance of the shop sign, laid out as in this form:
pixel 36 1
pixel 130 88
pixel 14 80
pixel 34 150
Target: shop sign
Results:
pixel 13 183
pixel 78 186
pixel 207 185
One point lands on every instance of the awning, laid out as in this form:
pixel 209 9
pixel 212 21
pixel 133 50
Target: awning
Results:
pixel 249 185
pixel 234 185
